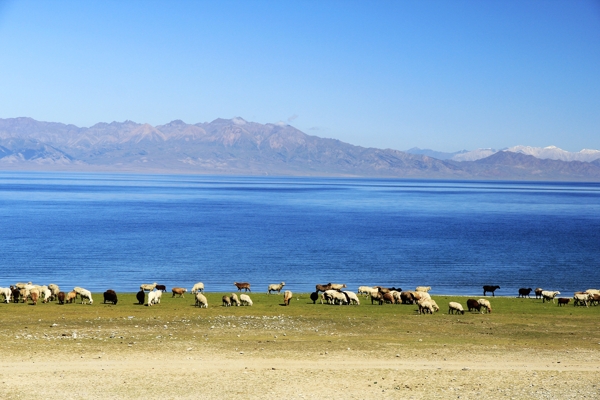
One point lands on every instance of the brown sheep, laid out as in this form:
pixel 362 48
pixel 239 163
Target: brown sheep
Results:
pixel 61 297
pixel 242 285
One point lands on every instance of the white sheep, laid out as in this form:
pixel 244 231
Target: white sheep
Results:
pixel 592 291
pixel 85 295
pixel 54 289
pixel 548 295
pixel 154 297
pixel 455 307
pixel 366 290
pixel 485 304
pixel 148 286
pixel 352 297
pixel 46 294
pixel 201 300
pixel 581 299
pixel 426 306
pixel 275 287
pixel 198 287
pixel 6 292
pixel 245 300
pixel 423 289
pixel 338 286
pixel 287 296
pixel 234 299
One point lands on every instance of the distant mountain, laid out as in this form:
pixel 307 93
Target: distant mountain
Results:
pixel 236 146
pixel 555 153
pixel 440 155
pixel 474 155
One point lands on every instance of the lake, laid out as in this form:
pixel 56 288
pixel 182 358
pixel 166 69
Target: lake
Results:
pixel 117 231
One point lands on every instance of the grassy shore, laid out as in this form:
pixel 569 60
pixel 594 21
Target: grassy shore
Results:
pixel 523 349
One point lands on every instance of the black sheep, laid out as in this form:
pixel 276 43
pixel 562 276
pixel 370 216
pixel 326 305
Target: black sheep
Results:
pixel 141 297
pixel 110 296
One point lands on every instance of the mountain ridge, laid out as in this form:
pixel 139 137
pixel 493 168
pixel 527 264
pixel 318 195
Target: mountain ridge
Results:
pixel 237 146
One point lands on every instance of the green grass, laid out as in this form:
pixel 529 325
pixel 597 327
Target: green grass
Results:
pixel 301 327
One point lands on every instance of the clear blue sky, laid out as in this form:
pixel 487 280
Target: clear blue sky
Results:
pixel 446 75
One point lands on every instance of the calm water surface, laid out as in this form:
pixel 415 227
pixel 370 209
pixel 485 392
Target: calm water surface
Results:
pixel 115 231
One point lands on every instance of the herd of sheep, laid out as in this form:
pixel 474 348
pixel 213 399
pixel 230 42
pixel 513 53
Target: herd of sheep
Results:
pixel 330 294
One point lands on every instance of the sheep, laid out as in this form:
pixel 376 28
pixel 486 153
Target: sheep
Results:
pixel 226 301
pixel 86 295
pixel 381 289
pixel 337 297
pixel 245 300
pixel 548 295
pixel 287 296
pixel 592 291
pixel 198 287
pixel 6 292
pixel 140 296
pixel 178 290
pixel 538 292
pixel 322 288
pixel 423 289
pixel 110 296
pixel 407 298
pixel 581 299
pixel 352 297
pixel 389 298
pixel 485 304
pixel 275 287
pixel 595 299
pixel 489 288
pixel 243 285
pixel 20 285
pixel 455 307
pixel 376 296
pixel 15 294
pixel 46 294
pixel 61 297
pixel 154 297
pixel 366 290
pixel 235 300
pixel 338 286
pixel 427 306
pixel 148 286
pixel 524 292
pixel 71 296
pixel 201 300
pixel 162 288
pixel 34 295
pixel 78 290
pixel 562 301
pixel 24 294
pixel 54 289
pixel 473 304
pixel 314 296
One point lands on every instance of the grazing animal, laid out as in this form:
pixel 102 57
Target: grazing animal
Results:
pixel 473 304
pixel 389 298
pixel 110 296
pixel 178 290
pixel 154 297
pixel 34 295
pixel 562 301
pixel 85 295
pixel 242 285
pixel 323 288
pixel 581 299
pixel 407 298
pixel 314 296
pixel 366 290
pixel 287 296
pixel 201 300
pixel 538 292
pixel 351 297
pixel 376 297
pixel 235 300
pixel 455 307
pixel 423 289
pixel 198 287
pixel 595 299
pixel 548 295
pixel 524 292
pixel 6 292
pixel 275 287
pixel 148 286
pixel 338 286
pixel 61 297
pixel 485 304
pixel 162 288
pixel 489 288
pixel 427 306
pixel 71 296
pixel 226 301
pixel 16 294
pixel 54 289
pixel 140 296
pixel 245 300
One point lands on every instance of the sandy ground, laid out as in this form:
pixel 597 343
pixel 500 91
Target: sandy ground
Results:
pixel 209 373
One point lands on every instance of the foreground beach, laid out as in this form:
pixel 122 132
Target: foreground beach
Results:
pixel 524 348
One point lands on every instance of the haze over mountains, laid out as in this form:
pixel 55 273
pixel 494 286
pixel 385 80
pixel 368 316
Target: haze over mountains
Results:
pixel 236 146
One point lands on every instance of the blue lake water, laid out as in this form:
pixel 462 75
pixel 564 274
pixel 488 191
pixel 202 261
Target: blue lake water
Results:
pixel 117 231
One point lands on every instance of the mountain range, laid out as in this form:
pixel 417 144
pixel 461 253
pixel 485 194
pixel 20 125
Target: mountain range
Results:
pixel 236 146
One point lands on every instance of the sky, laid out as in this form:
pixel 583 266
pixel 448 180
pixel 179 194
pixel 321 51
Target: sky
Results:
pixel 443 75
